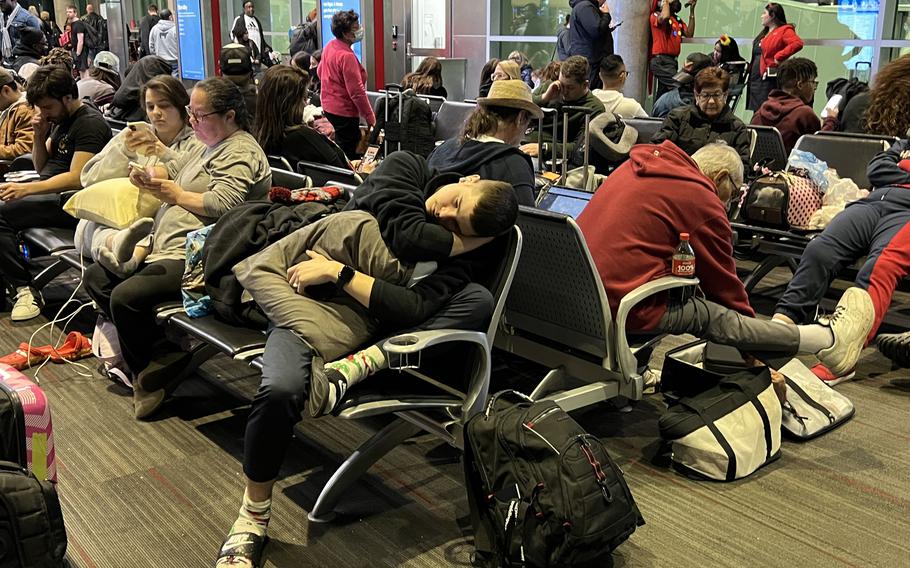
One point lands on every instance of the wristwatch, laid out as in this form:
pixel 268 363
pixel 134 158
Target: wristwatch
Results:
pixel 344 276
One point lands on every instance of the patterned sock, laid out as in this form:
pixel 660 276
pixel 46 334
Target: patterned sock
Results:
pixel 125 241
pixel 253 518
pixel 358 366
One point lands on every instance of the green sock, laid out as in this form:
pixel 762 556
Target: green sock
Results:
pixel 360 365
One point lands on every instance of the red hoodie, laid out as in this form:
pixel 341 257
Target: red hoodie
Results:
pixel 789 114
pixel 632 227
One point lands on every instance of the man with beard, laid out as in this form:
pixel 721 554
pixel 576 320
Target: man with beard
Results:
pixel 667 31
pixel 67 134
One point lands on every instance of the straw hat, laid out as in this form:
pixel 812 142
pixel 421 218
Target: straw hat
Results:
pixel 511 93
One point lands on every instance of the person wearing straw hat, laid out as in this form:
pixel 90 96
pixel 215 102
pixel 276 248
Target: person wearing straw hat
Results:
pixel 488 145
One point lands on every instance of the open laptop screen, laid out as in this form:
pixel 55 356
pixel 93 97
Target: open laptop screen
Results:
pixel 567 201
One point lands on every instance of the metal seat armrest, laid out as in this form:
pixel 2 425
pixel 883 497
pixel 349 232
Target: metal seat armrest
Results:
pixel 413 343
pixel 626 359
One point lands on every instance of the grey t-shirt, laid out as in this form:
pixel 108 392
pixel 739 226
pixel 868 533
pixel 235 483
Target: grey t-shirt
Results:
pixel 227 174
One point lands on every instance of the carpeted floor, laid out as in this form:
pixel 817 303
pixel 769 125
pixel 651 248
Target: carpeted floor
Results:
pixel 162 493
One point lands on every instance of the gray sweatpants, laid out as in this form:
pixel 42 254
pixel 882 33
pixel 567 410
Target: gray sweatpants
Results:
pixel 707 320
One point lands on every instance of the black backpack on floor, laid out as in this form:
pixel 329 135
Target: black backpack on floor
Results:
pixel 31 522
pixel 542 491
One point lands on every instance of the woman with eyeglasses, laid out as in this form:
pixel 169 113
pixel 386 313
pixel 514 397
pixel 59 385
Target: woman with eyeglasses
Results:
pixel 195 190
pixel 708 119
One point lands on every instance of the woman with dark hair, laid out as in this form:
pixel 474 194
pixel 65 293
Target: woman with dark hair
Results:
pixel 426 79
pixel 344 95
pixel 168 138
pixel 708 119
pixel 127 103
pixel 726 50
pixel 280 127
pixel 548 74
pixel 489 143
pixel 486 76
pixel 195 190
pixel 775 43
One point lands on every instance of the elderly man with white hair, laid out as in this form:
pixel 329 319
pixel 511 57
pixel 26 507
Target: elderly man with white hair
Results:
pixel 634 223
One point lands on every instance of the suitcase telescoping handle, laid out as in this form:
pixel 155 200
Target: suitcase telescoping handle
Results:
pixel 541 159
pixel 565 140
pixel 389 89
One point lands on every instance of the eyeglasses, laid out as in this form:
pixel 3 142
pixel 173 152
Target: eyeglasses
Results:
pixel 711 96
pixel 198 117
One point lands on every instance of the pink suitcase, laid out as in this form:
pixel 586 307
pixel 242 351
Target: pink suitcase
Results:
pixel 39 430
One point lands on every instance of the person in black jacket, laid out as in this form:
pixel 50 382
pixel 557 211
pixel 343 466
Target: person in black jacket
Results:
pixel 126 104
pixel 145 27
pixel 279 125
pixel 488 146
pixel 590 34
pixel 31 48
pixel 708 120
pixel 422 216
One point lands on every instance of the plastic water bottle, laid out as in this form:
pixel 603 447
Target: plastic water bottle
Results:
pixel 683 264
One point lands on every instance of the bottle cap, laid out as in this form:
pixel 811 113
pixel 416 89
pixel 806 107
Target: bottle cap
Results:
pixel 684 236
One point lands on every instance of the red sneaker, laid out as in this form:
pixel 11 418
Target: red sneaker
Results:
pixel 830 378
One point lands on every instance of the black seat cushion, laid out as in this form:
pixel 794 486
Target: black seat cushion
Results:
pixel 227 338
pixel 49 240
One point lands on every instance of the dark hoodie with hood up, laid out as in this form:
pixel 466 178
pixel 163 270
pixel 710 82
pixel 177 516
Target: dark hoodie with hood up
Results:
pixel 489 160
pixel 790 115
pixel 632 227
pixel 126 104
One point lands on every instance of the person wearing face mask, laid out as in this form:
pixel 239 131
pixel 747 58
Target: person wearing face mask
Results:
pixel 343 83
pixel 708 120
pixel 789 108
pixel 667 31
pixel 405 213
pixel 570 90
pixel 488 146
pixel 632 227
pixel 67 133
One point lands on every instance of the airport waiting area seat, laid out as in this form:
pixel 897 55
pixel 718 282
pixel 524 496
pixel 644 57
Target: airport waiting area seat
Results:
pixel 558 315
pixel 418 402
pixel 322 174
pixel 849 155
pixel 646 128
pixel 450 119
pixel 769 148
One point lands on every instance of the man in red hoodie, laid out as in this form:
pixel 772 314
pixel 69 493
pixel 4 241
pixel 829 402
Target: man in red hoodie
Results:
pixel 789 107
pixel 632 227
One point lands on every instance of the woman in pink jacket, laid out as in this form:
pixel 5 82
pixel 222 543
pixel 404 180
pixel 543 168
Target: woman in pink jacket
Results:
pixel 774 44
pixel 343 78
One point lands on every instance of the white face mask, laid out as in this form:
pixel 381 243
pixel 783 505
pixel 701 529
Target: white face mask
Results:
pixel 358 35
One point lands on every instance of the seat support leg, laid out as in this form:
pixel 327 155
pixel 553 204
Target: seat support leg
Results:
pixel 371 451
pixel 762 270
pixel 44 277
pixel 554 381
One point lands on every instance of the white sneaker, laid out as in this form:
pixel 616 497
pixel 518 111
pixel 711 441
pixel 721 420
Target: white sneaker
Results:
pixel 27 305
pixel 850 324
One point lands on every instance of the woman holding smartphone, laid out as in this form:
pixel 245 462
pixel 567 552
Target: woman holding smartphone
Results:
pixel 168 136
pixel 195 190
pixel 772 46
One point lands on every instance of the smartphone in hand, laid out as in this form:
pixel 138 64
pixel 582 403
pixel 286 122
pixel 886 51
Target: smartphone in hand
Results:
pixel 833 103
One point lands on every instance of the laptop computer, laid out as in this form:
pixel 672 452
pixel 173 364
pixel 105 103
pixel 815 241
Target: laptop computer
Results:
pixel 570 202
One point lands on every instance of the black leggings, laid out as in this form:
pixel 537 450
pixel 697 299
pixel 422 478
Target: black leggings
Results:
pixel 286 377
pixel 130 303
pixel 347 133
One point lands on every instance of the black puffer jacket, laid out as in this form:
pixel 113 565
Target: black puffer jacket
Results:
pixel 690 129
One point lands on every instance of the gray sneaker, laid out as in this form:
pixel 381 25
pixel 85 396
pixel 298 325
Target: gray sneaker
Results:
pixel 850 324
